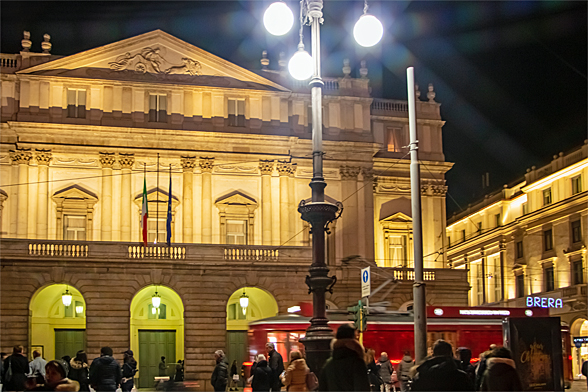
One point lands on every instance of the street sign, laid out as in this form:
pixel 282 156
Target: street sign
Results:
pixel 366 287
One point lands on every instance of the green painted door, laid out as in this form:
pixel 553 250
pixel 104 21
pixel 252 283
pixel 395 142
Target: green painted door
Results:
pixel 153 344
pixel 237 348
pixel 69 342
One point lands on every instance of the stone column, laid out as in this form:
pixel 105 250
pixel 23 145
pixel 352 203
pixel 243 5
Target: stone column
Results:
pixel 188 164
pixel 266 167
pixel 22 159
pixel 126 163
pixel 284 168
pixel 107 160
pixel 292 205
pixel 206 165
pixel 368 213
pixel 350 216
pixel 43 159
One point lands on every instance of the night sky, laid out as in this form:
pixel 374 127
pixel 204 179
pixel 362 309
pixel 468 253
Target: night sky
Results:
pixel 510 75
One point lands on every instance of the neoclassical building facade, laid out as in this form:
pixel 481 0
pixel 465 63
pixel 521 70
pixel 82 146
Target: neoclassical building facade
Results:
pixel 525 246
pixel 228 152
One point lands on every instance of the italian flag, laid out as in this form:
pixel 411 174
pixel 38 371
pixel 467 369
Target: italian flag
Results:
pixel 144 212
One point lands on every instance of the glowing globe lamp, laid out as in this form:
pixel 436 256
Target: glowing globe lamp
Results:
pixel 300 65
pixel 278 18
pixel 66 298
pixel 244 302
pixel 156 300
pixel 368 30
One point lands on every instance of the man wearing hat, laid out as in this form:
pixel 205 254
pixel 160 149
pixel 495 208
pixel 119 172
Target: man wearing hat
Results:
pixel 128 371
pixel 346 369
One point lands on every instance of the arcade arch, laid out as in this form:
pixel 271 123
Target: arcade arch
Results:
pixel 579 355
pixel 57 330
pixel 156 331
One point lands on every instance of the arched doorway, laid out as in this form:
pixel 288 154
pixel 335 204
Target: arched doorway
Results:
pixel 57 330
pixel 579 355
pixel 156 331
pixel 260 305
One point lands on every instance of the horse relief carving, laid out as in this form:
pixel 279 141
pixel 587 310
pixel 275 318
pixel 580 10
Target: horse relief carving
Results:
pixel 149 60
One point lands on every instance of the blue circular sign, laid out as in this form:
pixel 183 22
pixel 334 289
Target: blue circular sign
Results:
pixel 365 276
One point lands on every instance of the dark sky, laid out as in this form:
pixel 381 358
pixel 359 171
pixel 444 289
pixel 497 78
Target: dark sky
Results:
pixel 510 75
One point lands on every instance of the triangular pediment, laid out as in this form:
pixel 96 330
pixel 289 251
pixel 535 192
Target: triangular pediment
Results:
pixel 398 217
pixel 236 198
pixel 154 56
pixel 75 192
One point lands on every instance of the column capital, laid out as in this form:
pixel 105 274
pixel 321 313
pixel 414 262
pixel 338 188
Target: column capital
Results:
pixel 367 173
pixel 293 168
pixel 206 164
pixel 266 167
pixel 43 157
pixel 126 160
pixel 349 172
pixel 188 163
pixel 107 159
pixel 283 167
pixel 21 156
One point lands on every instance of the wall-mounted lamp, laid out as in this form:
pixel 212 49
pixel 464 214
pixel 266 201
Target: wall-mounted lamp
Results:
pixel 244 302
pixel 66 297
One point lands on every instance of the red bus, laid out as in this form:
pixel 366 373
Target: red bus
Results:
pixel 475 328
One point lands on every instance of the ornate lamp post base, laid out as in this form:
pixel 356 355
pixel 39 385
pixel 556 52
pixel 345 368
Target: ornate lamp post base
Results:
pixel 318 336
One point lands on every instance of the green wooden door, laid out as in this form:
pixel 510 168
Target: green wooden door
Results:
pixel 237 348
pixel 69 342
pixel 152 346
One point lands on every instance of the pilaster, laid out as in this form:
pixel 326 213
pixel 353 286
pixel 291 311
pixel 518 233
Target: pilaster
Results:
pixel 126 162
pixel 43 158
pixel 366 213
pixel 107 160
pixel 188 164
pixel 206 166
pixel 284 168
pixel 292 204
pixel 349 217
pixel 266 168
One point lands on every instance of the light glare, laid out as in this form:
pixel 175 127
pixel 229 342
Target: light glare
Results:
pixel 66 298
pixel 368 31
pixel 300 65
pixel 278 18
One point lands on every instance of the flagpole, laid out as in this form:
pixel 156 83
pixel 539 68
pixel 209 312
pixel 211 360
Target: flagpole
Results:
pixel 157 214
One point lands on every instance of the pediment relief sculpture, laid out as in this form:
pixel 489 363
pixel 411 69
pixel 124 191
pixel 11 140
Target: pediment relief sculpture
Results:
pixel 149 60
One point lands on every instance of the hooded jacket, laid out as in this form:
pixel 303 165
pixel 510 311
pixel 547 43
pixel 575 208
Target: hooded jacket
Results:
pixel 441 374
pixel 404 367
pixel 296 376
pixel 262 377
pixel 105 373
pixel 385 370
pixel 501 375
pixel 78 371
pixel 346 369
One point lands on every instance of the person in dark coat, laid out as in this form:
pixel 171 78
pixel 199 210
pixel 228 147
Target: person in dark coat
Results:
pixel 179 376
pixel 276 363
pixel 441 372
pixel 105 372
pixel 233 373
pixel 3 356
pixel 373 370
pixel 501 373
pixel 262 376
pixel 19 365
pixel 129 369
pixel 345 370
pixel 220 375
pixel 481 368
pixel 465 361
pixel 385 371
pixel 162 368
pixel 585 370
pixel 79 370
pixel 404 370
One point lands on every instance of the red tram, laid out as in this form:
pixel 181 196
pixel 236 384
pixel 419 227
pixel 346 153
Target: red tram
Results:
pixel 474 328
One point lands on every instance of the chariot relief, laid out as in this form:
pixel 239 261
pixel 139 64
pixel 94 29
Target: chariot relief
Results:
pixel 149 60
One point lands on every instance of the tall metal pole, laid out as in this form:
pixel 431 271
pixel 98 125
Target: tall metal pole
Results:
pixel 318 213
pixel 418 288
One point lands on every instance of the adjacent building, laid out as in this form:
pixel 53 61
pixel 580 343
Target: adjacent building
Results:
pixel 525 245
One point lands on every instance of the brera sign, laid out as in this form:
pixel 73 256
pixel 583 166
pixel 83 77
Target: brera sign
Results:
pixel 544 302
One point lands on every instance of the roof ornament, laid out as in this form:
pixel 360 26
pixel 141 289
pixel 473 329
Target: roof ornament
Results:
pixel 282 63
pixel 431 93
pixel 363 71
pixel 264 60
pixel 417 92
pixel 46 45
pixel 26 42
pixel 346 68
pixel 150 60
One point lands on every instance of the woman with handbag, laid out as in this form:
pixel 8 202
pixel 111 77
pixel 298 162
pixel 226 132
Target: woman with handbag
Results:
pixel 16 367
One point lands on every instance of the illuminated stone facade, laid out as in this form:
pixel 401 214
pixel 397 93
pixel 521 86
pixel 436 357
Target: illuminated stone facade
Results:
pixel 526 245
pixel 81 134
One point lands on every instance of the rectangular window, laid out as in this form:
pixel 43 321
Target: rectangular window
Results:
pixel 520 252
pixel 497 220
pixel 520 285
pixel 497 278
pixel 397 250
pixel 525 208
pixel 396 140
pixel 463 235
pixel 74 227
pixel 76 103
pixel 479 284
pixel 577 272
pixel 547 197
pixel 576 232
pixel 236 232
pixel 549 279
pixel 156 229
pixel 547 240
pixel 576 184
pixel 479 227
pixel 448 241
pixel 157 108
pixel 236 112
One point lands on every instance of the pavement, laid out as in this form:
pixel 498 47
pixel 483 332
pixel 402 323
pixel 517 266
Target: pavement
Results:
pixel 578 386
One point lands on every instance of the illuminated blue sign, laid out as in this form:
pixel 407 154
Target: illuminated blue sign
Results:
pixel 544 302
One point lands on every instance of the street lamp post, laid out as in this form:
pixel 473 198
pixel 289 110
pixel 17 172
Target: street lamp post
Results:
pixel 318 212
